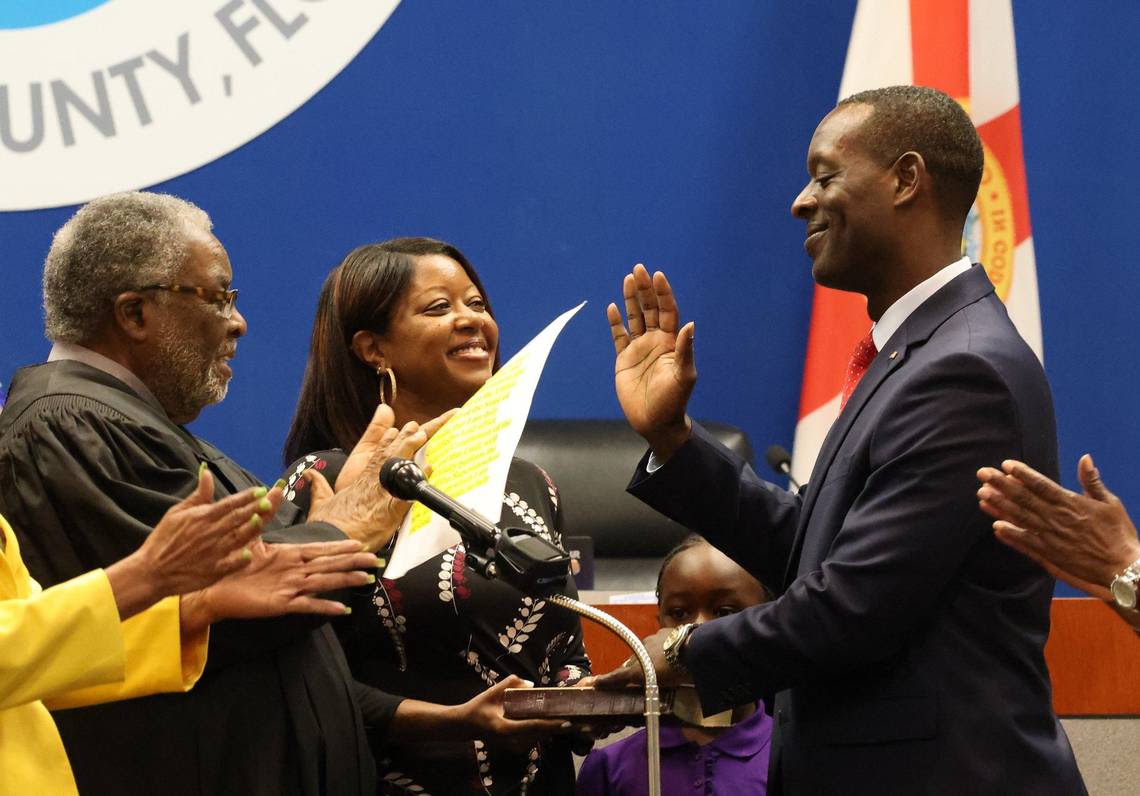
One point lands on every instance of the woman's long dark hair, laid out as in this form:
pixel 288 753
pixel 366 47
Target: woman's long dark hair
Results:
pixel 340 392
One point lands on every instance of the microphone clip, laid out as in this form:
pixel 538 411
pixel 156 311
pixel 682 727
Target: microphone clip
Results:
pixel 529 562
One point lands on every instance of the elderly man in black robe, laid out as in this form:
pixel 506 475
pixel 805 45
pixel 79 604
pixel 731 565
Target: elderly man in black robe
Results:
pixel 93 451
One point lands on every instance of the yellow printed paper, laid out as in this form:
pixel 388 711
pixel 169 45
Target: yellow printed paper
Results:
pixel 471 454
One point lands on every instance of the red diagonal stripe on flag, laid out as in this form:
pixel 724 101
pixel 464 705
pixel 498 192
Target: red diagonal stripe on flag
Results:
pixel 940 45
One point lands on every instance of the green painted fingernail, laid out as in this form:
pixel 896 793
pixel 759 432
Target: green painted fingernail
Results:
pixel 255 520
pixel 383 562
pixel 371 579
pixel 348 609
pixel 247 554
pixel 202 468
pixel 279 483
pixel 264 504
pixel 260 492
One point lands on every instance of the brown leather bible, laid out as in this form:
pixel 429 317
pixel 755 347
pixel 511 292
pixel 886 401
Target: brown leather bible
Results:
pixel 626 706
pixel 591 705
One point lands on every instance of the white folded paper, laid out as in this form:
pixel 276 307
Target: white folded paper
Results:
pixel 470 456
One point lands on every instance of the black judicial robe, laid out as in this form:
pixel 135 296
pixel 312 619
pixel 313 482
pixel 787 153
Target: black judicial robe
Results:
pixel 87 468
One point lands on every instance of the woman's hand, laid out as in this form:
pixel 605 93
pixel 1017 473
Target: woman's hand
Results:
pixel 655 371
pixel 482 716
pixel 282 579
pixel 195 543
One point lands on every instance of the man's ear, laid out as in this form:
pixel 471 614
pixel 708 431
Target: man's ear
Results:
pixel 911 177
pixel 367 347
pixel 129 316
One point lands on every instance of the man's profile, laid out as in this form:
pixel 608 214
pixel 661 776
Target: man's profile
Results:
pixel 905 643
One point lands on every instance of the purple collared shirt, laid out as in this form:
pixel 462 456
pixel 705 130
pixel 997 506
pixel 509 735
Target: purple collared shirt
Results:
pixel 734 764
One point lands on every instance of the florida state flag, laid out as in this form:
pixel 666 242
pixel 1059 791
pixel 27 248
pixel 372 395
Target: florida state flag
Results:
pixel 965 48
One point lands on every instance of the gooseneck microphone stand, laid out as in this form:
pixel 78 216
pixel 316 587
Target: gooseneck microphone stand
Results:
pixel 535 567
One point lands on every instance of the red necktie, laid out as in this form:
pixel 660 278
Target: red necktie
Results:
pixel 861 358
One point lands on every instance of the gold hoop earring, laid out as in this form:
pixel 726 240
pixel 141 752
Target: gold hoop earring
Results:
pixel 381 372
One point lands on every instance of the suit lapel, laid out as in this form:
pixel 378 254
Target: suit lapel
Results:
pixel 915 330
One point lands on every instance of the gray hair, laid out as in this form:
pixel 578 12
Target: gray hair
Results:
pixel 111 245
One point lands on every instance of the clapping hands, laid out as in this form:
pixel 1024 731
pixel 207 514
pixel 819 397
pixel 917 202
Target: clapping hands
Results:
pixel 359 506
pixel 1083 540
pixel 212 553
pixel 284 579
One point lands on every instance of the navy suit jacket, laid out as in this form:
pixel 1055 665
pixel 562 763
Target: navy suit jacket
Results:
pixel 906 644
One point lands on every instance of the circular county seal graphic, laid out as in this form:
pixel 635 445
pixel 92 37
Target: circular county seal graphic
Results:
pixel 98 96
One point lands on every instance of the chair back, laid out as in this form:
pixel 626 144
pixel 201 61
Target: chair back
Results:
pixel 592 461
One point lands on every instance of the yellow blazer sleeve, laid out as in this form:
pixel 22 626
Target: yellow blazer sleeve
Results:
pixel 157 660
pixel 56 640
pixel 66 645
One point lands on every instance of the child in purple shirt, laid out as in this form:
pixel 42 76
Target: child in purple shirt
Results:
pixel 697 582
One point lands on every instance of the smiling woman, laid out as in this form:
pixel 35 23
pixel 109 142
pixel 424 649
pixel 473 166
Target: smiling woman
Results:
pixel 407 322
pixel 440 338
pixel 380 303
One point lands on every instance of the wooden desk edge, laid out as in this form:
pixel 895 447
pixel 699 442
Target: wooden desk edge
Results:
pixel 1093 657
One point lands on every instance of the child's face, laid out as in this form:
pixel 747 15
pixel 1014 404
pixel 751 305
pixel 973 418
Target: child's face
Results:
pixel 702 583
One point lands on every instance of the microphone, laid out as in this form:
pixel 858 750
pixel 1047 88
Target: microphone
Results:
pixel 781 461
pixel 404 479
pixel 519 556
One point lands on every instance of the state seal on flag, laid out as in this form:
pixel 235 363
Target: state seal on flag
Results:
pixel 989 236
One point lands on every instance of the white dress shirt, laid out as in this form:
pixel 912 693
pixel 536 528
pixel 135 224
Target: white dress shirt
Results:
pixel 910 301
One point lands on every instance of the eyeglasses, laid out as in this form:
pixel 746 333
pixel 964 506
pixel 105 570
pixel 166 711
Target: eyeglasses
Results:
pixel 225 299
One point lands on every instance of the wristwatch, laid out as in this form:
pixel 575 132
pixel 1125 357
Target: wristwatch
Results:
pixel 675 644
pixel 1124 588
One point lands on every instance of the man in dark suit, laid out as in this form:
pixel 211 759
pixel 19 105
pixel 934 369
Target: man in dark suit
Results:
pixel 906 646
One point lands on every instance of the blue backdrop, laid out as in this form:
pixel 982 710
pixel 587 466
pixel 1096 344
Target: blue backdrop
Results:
pixel 557 144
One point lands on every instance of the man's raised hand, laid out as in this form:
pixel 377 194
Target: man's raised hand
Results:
pixel 654 372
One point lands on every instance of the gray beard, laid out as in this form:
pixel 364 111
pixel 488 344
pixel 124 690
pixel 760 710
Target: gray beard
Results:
pixel 186 380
